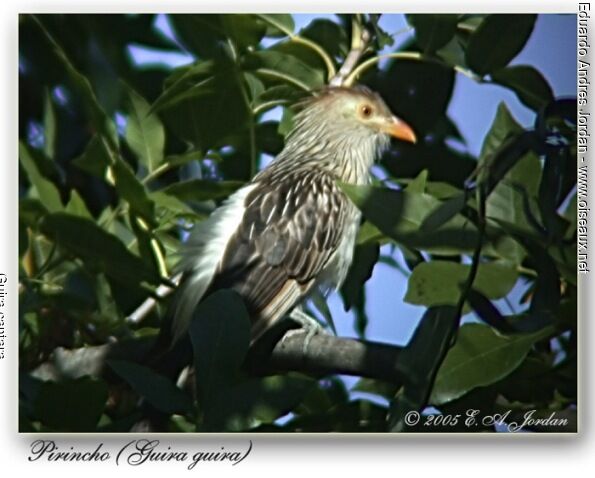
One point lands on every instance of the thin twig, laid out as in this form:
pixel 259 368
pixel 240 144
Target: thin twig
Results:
pixel 149 304
pixel 302 41
pixel 360 37
pixel 405 55
pixel 284 77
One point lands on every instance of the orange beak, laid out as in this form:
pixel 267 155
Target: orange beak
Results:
pixel 397 128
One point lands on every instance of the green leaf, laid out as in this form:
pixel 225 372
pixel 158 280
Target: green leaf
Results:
pixel 95 159
pixel 329 35
pixel 419 362
pixel 346 417
pixel 221 93
pixel 76 206
pixel 481 357
pixel 497 41
pixel 201 189
pixel 168 205
pixel 278 95
pixel 210 35
pixel 23 238
pixel 504 145
pixel 400 214
pixel 365 257
pixel 504 126
pixel 254 87
pixel 99 119
pixel 220 334
pixel 256 401
pixel 420 92
pixel 200 34
pixel 98 249
pixel 444 213
pixel 376 387
pixel 184 158
pixel 244 30
pixel 453 53
pixel 286 123
pixel 488 312
pixel 46 190
pixel 49 126
pixel 381 38
pixel 184 83
pixel 157 389
pixel 534 381
pixel 283 67
pixel 144 132
pixel 433 31
pixel 71 406
pixel 31 211
pixel 418 184
pixel 439 282
pixel 514 198
pixel 132 190
pixel 528 83
pixel 278 24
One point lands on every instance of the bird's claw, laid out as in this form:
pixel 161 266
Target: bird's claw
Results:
pixel 308 324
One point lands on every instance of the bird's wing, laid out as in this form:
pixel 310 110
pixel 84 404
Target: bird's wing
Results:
pixel 290 229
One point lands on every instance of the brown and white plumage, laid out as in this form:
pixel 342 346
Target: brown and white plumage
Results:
pixel 291 228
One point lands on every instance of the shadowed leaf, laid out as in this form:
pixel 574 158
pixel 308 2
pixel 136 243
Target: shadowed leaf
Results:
pixel 202 190
pixel 157 389
pixel 481 357
pixel 528 84
pixel 71 406
pixel 98 249
pixel 220 333
pixel 497 41
pixel 433 31
pixel 419 362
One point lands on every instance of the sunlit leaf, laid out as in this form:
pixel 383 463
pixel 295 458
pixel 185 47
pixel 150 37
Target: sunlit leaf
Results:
pixel 49 126
pixel 400 214
pixel 144 132
pixel 439 282
pixel 46 190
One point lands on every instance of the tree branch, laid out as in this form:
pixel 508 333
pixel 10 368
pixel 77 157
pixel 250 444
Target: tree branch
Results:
pixel 324 355
pixel 360 37
pixel 330 355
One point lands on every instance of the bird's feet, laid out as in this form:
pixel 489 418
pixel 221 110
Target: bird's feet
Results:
pixel 307 324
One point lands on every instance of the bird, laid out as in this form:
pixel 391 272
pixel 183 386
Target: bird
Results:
pixel 291 230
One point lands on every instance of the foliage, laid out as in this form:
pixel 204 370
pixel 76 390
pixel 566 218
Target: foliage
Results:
pixel 117 161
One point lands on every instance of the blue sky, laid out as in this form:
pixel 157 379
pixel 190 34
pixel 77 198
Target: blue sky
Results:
pixel 551 49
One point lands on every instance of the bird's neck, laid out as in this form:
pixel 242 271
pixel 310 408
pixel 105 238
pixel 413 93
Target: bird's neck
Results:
pixel 346 156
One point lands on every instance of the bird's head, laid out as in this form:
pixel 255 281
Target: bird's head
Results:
pixel 344 130
pixel 358 110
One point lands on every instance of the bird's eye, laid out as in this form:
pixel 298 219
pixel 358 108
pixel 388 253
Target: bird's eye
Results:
pixel 366 111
